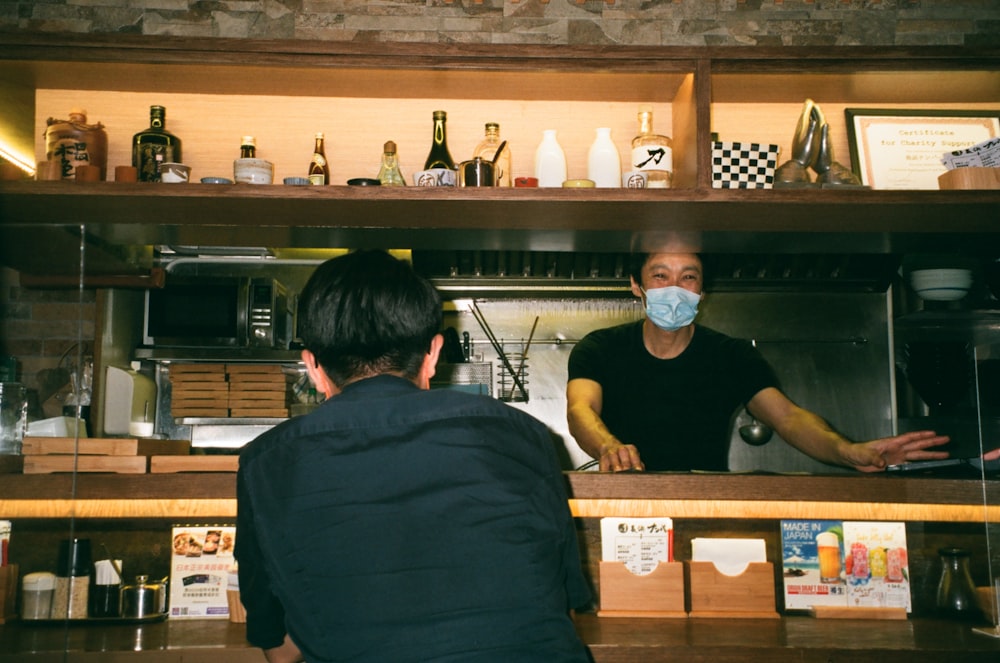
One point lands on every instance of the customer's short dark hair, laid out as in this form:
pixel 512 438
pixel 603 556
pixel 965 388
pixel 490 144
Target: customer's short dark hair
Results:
pixel 367 313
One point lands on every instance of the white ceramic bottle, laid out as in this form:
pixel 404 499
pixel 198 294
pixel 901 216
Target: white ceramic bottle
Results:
pixel 550 161
pixel 604 163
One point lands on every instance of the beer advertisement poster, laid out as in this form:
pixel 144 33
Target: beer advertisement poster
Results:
pixel 876 565
pixel 199 571
pixel 812 563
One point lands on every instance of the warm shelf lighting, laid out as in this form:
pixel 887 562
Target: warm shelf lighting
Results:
pixel 21 162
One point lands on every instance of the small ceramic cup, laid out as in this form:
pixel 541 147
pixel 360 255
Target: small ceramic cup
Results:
pixel 126 174
pixel 634 179
pixel 253 171
pixel 296 181
pixel 216 180
pixel 435 177
pixel 174 173
pixel 87 173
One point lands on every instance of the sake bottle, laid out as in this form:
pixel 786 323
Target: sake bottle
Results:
pixel 604 164
pixel 154 146
pixel 319 168
pixel 389 173
pixel 439 156
pixel 652 153
pixel 550 161
pixel 487 149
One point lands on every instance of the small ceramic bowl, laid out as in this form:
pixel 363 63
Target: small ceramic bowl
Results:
pixel 941 284
pixel 216 180
pixel 297 181
pixel 363 181
pixel 174 173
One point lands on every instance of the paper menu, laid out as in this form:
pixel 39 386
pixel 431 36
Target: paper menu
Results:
pixel 199 568
pixel 640 543
pixel 876 565
pixel 812 564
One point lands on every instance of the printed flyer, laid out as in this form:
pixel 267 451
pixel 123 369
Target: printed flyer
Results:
pixel 876 566
pixel 812 563
pixel 640 543
pixel 199 566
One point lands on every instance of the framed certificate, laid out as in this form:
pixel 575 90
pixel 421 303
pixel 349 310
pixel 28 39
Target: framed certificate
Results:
pixel 902 149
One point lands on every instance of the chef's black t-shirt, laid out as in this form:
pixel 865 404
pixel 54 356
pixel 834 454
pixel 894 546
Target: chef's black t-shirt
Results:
pixel 677 412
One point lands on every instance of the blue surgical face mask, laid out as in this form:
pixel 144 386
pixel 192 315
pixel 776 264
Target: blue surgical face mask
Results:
pixel 672 307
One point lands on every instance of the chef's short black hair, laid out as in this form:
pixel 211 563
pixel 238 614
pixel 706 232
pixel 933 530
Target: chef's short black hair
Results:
pixel 367 313
pixel 637 260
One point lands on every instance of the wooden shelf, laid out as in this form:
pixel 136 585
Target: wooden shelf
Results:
pixel 592 494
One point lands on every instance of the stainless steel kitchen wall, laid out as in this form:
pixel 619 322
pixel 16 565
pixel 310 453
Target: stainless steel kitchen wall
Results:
pixel 831 352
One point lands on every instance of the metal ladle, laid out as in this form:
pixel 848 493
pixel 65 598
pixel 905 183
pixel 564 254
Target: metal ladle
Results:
pixel 755 433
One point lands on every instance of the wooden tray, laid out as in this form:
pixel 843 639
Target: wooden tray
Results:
pixel 215 463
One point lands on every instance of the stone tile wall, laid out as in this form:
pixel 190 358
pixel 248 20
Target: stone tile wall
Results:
pixel 627 22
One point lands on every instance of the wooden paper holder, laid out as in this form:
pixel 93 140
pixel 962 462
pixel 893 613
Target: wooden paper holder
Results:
pixel 845 612
pixel 971 177
pixel 715 594
pixel 659 593
pixel 8 592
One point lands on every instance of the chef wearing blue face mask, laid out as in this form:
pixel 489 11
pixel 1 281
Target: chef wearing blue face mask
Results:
pixel 659 394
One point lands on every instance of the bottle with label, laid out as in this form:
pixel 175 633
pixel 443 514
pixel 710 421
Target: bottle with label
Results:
pixel 154 146
pixel 439 156
pixel 604 164
pixel 487 149
pixel 550 161
pixel 248 148
pixel 389 173
pixel 74 143
pixel 652 153
pixel 319 169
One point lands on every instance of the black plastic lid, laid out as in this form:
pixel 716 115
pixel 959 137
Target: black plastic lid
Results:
pixel 364 181
pixel 74 558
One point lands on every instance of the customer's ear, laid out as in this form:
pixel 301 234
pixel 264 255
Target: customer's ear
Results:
pixel 318 376
pixel 429 365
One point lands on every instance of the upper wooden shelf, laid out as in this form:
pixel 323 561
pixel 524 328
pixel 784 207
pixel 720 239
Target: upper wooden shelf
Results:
pixel 592 494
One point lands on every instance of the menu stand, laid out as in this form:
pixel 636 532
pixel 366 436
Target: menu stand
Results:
pixel 659 593
pixel 715 594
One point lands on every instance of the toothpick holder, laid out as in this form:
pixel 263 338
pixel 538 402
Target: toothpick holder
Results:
pixel 659 593
pixel 750 594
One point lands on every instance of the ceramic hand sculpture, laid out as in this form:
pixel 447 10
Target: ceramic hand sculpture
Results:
pixel 829 171
pixel 805 147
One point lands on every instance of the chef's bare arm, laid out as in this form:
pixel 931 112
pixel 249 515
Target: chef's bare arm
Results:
pixel 584 399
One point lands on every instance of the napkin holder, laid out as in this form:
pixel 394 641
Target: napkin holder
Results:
pixel 750 594
pixel 8 592
pixel 659 593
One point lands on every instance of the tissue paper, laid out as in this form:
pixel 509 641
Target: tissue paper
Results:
pixel 730 556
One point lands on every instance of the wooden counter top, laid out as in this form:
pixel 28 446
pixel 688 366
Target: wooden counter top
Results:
pixel 592 494
pixel 610 641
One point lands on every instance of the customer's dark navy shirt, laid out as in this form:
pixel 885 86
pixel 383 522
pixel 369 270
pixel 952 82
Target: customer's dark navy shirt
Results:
pixel 398 524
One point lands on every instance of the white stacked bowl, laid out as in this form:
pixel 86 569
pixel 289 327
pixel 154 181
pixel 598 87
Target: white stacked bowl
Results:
pixel 941 285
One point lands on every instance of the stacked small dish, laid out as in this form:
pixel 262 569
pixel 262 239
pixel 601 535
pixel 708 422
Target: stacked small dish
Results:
pixel 943 285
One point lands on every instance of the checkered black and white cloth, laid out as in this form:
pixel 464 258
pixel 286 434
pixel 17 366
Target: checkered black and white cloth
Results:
pixel 743 165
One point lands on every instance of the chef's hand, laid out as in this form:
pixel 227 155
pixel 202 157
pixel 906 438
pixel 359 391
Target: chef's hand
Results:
pixel 876 455
pixel 992 455
pixel 620 457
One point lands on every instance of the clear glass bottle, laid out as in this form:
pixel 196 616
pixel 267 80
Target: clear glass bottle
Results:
pixel 550 161
pixel 154 146
pixel 487 149
pixel 248 148
pixel 652 152
pixel 439 156
pixel 389 173
pixel 319 168
pixel 956 594
pixel 604 164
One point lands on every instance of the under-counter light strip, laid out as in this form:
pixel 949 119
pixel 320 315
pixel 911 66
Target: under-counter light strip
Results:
pixel 20 162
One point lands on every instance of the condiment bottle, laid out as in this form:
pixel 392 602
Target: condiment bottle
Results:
pixel 956 594
pixel 75 143
pixel 389 173
pixel 439 156
pixel 652 152
pixel 550 161
pixel 72 580
pixel 319 168
pixel 487 149
pixel 154 146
